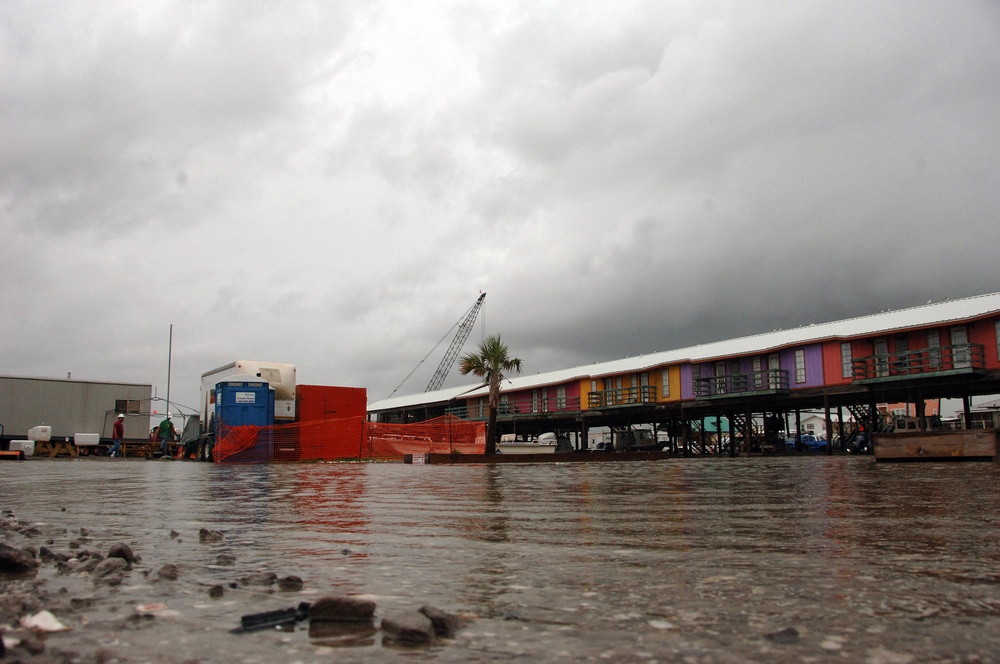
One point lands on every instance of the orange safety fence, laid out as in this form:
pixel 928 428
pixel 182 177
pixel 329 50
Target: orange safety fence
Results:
pixel 346 439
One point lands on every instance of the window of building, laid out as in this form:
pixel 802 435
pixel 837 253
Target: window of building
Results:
pixel 773 371
pixel 696 378
pixel 933 349
pixel 130 406
pixel 757 365
pixel 561 397
pixel 996 330
pixel 534 401
pixel 665 381
pixel 881 358
pixel 961 353
pixel 846 368
pixel 800 366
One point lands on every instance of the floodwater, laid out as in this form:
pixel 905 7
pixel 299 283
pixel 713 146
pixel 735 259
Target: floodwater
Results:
pixel 784 559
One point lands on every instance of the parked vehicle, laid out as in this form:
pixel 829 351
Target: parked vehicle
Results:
pixel 807 441
pixel 860 443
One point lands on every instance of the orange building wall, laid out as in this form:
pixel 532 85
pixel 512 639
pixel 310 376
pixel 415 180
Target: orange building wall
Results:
pixel 985 332
pixel 832 370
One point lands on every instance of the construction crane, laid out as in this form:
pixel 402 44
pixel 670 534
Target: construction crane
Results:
pixel 464 329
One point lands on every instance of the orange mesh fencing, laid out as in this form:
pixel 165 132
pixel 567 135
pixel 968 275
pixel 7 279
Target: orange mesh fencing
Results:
pixel 441 435
pixel 346 439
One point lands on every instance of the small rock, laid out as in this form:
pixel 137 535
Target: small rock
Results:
pixel 157 610
pixel 123 551
pixel 67 567
pixel 215 592
pixel 90 564
pixel 43 621
pixel 259 579
pixel 290 583
pixel 343 633
pixel 110 571
pixel 409 628
pixel 47 555
pixel 225 560
pixel 15 562
pixel 174 534
pixel 206 536
pixel 110 565
pixel 445 624
pixel 342 609
pixel 784 636
pixel 168 572
pixel 84 532
pixel 33 644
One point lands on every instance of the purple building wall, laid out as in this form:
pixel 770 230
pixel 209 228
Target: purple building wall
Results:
pixel 786 361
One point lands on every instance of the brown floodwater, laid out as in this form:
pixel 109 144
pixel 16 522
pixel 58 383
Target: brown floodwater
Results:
pixel 783 559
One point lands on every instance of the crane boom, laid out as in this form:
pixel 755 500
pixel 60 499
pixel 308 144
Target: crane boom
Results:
pixel 464 328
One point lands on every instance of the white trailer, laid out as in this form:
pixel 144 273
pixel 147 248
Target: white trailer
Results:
pixel 280 375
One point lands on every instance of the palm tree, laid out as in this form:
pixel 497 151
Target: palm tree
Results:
pixel 491 363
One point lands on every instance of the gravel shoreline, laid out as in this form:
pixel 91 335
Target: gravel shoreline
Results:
pixel 67 597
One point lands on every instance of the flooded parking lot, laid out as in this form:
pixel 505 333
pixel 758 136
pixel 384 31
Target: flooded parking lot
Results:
pixel 721 560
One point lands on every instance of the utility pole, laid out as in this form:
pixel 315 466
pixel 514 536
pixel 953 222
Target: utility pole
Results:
pixel 170 351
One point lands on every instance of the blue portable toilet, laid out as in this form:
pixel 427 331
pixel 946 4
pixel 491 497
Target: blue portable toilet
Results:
pixel 244 400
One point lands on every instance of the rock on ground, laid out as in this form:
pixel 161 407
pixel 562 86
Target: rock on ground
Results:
pixel 16 562
pixel 343 609
pixel 410 627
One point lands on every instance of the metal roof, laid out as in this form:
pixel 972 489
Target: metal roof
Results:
pixel 926 315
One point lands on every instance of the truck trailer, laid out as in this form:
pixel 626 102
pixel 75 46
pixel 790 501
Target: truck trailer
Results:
pixel 279 375
pixel 262 393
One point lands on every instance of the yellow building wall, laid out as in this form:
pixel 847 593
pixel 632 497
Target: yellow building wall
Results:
pixel 655 379
pixel 674 380
pixel 585 393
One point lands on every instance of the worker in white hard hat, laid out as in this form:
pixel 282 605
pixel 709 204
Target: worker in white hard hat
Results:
pixel 166 433
pixel 117 436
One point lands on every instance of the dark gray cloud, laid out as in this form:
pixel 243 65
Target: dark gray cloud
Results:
pixel 334 185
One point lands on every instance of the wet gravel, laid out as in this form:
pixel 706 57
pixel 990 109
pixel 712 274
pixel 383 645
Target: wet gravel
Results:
pixel 798 559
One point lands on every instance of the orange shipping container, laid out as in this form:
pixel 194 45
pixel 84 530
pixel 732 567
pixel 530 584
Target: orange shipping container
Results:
pixel 329 402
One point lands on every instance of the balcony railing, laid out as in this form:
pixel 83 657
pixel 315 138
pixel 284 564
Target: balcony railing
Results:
pixel 943 360
pixel 622 396
pixel 520 406
pixel 769 381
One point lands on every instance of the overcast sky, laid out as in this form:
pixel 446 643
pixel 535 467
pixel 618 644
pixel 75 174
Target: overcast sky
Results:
pixel 332 184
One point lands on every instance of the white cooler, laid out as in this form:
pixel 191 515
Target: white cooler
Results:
pixel 26 446
pixel 82 439
pixel 42 433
